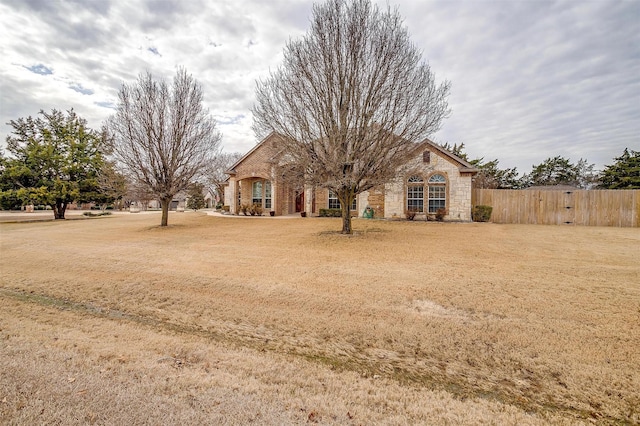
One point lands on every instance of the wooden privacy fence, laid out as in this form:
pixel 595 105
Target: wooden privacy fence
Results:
pixel 562 207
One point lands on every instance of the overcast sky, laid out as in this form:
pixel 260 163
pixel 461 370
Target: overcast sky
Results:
pixel 530 79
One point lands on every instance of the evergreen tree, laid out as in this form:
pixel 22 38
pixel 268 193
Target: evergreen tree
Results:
pixel 624 173
pixel 560 171
pixel 195 198
pixel 456 149
pixel 489 175
pixel 54 160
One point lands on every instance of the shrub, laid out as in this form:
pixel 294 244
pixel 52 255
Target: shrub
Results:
pixel 92 214
pixel 481 213
pixel 9 201
pixel 330 213
pixel 195 202
pixel 226 209
pixel 255 209
pixel 440 214
pixel 410 214
pixel 244 209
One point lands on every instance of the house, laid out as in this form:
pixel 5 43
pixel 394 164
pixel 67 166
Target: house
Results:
pixel 433 179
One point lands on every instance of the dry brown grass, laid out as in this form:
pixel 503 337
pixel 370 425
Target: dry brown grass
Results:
pixel 233 320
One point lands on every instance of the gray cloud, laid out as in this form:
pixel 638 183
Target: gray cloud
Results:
pixel 73 24
pixel 529 79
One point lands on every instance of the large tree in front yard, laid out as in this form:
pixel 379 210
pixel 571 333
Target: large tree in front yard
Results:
pixel 351 100
pixel 53 160
pixel 162 135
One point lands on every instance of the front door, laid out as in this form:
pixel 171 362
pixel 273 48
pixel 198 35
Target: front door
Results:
pixel 299 201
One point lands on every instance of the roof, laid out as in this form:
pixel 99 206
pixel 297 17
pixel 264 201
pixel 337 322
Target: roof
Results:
pixel 232 169
pixel 464 166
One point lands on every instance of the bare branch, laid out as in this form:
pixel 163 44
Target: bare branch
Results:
pixel 162 135
pixel 351 99
pixel 215 176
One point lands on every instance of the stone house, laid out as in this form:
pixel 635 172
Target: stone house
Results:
pixel 433 179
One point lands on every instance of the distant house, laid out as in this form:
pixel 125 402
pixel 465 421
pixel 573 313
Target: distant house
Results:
pixel 433 179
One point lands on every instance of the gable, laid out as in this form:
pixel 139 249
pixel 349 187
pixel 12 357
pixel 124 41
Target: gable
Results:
pixel 258 161
pixel 427 149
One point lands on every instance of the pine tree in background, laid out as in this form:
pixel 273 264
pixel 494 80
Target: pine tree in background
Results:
pixel 624 173
pixel 195 197
pixel 560 171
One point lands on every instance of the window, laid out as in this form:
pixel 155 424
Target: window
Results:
pixel 437 193
pixel 334 203
pixel 267 194
pixel 437 179
pixel 257 193
pixel 415 194
pixel 426 157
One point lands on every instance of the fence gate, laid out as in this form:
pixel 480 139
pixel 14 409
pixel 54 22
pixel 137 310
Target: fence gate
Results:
pixel 568 208
pixel 564 207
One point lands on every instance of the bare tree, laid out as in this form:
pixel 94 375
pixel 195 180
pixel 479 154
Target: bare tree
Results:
pixel 351 100
pixel 216 177
pixel 163 135
pixel 112 186
pixel 138 195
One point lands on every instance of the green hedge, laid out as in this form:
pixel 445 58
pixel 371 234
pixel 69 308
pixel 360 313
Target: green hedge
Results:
pixel 330 212
pixel 481 213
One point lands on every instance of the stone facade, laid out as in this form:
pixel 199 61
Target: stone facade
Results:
pixel 433 172
pixel 457 174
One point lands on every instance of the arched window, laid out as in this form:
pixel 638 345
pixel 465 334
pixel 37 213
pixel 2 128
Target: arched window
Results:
pixel 415 194
pixel 267 194
pixel 256 192
pixel 437 179
pixel 437 193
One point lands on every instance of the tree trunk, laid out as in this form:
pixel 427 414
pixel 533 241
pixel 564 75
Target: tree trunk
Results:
pixel 346 220
pixel 346 198
pixel 59 208
pixel 165 203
